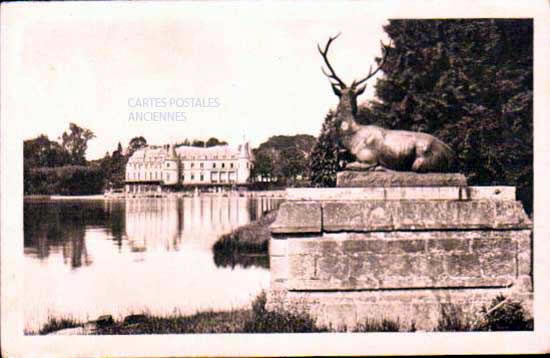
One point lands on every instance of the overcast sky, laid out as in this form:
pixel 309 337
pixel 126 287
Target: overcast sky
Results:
pixel 92 63
pixel 257 62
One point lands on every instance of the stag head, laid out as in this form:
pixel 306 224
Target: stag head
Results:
pixel 348 95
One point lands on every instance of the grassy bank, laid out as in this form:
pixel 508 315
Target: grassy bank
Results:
pixel 247 245
pixel 501 315
pixel 251 238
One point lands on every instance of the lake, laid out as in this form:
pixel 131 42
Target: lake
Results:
pixel 86 258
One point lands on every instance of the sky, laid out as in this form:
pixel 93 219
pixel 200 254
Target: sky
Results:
pixel 229 70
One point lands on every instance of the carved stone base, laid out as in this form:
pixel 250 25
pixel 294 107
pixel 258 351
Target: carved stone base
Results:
pixel 348 255
pixel 348 179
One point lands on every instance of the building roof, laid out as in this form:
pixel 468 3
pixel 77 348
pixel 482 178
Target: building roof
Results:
pixel 193 153
pixel 148 154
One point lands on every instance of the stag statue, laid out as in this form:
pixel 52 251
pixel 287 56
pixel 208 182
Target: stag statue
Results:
pixel 376 148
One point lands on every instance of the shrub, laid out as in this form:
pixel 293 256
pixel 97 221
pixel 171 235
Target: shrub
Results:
pixel 264 321
pixel 504 315
pixel 383 325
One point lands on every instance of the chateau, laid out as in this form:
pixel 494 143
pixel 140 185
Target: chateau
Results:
pixel 156 168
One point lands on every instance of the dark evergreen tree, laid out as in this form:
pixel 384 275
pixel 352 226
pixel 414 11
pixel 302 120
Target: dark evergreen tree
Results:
pixel 323 162
pixel 470 83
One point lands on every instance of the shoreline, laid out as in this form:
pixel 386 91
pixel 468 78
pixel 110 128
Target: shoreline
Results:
pixel 275 194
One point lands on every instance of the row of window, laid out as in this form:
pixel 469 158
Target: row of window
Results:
pixel 192 165
pixel 144 165
pixel 158 176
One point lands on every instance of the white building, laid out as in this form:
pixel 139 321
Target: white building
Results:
pixel 154 168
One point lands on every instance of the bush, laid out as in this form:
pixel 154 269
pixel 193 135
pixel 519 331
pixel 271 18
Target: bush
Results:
pixel 452 319
pixel 264 321
pixel 56 324
pixel 501 315
pixel 66 180
pixel 504 315
pixel 384 325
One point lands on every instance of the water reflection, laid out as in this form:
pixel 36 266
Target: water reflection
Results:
pixel 86 258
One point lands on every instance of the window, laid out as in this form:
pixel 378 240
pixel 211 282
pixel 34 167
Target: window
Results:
pixel 202 166
pixel 223 165
pixel 213 165
pixel 192 177
pixel 167 165
pixel 202 177
pixel 192 165
pixel 231 165
pixel 183 178
pixel 167 176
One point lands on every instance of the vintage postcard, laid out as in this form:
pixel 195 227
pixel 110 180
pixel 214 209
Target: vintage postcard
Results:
pixel 273 178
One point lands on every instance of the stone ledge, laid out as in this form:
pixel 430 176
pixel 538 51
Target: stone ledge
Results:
pixel 378 215
pixel 391 215
pixel 297 217
pixel 397 283
pixel 404 193
pixel 398 179
pixel 347 309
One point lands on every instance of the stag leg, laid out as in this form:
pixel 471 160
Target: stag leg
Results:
pixel 361 166
pixel 365 160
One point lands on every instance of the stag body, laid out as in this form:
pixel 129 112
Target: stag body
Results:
pixel 376 148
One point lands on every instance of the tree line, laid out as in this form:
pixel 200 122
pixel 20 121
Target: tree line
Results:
pixel 60 166
pixel 467 81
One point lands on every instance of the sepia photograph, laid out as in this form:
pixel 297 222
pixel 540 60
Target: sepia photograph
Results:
pixel 255 178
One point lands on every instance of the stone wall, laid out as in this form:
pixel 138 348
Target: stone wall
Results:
pixel 347 260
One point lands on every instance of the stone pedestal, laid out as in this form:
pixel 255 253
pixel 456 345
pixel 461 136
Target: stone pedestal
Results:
pixel 350 254
pixel 398 179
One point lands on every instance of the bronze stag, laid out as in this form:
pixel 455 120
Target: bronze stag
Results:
pixel 376 148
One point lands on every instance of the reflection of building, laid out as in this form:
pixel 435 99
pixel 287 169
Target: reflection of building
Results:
pixel 161 224
pixel 152 224
pixel 152 168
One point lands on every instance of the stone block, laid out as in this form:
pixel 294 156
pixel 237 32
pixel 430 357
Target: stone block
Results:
pixel 510 214
pixel 488 192
pixel 422 215
pixel 277 247
pixel 406 246
pixel 499 264
pixel 482 245
pixel 448 245
pixel 398 179
pixel 525 265
pixel 334 268
pixel 422 193
pixel 524 284
pixel 297 217
pixel 278 267
pixel 463 265
pixel 357 215
pixel 302 267
pixel 336 193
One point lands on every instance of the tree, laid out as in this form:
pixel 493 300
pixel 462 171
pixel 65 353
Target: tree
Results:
pixel 135 144
pixel 214 141
pixel 42 152
pixel 470 83
pixel 263 165
pixel 75 142
pixel 198 143
pixel 287 155
pixel 323 162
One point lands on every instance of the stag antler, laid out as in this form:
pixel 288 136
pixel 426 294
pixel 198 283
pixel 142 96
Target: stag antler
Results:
pixel 332 74
pixel 385 47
